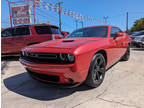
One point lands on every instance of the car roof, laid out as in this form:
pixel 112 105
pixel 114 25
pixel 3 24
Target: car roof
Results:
pixel 100 26
pixel 33 25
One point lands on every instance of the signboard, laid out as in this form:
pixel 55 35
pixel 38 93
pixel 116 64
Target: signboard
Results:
pixel 21 14
pixel 21 21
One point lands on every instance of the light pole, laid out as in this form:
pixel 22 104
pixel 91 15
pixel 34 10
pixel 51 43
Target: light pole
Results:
pixel 59 12
pixel 105 19
pixel 127 22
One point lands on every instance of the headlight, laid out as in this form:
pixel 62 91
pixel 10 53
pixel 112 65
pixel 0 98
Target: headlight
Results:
pixel 63 56
pixel 71 57
pixel 67 57
pixel 22 53
pixel 26 53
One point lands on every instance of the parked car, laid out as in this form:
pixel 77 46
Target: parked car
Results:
pixel 135 34
pixel 64 33
pixel 18 37
pixel 83 56
pixel 138 42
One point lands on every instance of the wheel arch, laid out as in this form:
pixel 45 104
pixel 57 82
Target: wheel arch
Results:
pixel 103 52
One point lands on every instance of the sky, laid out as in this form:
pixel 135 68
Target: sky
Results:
pixel 114 9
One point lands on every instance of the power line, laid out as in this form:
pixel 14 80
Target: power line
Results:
pixel 64 24
pixel 55 18
pixel 55 8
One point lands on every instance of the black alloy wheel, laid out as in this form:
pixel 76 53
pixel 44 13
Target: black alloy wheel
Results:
pixel 96 71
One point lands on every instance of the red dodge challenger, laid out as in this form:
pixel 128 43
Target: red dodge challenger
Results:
pixel 83 56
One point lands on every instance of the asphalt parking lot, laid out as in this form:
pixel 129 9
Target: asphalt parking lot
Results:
pixel 123 87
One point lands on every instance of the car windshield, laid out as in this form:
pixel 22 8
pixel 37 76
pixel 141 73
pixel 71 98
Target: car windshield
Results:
pixel 89 32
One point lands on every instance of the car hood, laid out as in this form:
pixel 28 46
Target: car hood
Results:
pixel 65 43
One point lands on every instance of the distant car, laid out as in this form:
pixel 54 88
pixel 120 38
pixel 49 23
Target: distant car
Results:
pixel 64 33
pixel 135 34
pixel 18 37
pixel 83 56
pixel 138 42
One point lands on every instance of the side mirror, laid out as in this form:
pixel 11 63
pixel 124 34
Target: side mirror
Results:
pixel 64 34
pixel 119 34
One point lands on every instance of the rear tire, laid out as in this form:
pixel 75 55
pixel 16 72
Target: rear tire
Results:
pixel 126 55
pixel 96 72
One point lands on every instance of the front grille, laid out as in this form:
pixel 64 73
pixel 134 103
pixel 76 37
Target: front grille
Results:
pixel 45 58
pixel 44 76
pixel 50 58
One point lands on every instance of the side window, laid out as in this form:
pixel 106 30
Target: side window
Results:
pixel 43 29
pixel 21 31
pixel 113 32
pixel 55 30
pixel 6 33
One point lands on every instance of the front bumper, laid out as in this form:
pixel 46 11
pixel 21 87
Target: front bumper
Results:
pixel 55 73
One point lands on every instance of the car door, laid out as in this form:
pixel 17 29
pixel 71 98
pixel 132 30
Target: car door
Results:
pixel 21 38
pixel 116 44
pixel 42 33
pixel 6 41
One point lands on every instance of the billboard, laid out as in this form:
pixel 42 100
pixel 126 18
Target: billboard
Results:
pixel 21 14
pixel 21 21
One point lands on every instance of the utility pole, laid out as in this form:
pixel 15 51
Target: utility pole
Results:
pixel 10 13
pixel 105 19
pixel 34 11
pixel 127 22
pixel 59 11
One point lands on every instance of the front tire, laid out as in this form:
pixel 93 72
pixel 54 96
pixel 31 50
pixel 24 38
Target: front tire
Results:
pixel 96 72
pixel 127 54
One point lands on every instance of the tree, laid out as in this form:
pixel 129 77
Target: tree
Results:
pixel 138 25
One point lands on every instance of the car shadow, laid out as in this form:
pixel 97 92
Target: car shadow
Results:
pixel 24 85
pixel 10 58
pixel 138 49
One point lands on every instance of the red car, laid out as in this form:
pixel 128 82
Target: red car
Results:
pixel 83 56
pixel 18 37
